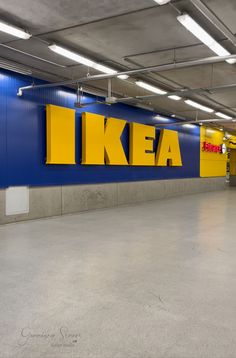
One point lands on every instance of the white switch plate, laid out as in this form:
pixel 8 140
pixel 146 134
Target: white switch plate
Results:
pixel 17 200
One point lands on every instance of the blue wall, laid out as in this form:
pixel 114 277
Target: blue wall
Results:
pixel 23 135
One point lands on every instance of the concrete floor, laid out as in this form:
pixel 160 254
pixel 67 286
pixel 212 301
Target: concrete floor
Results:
pixel 148 281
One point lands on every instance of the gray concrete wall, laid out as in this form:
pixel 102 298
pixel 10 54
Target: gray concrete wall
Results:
pixel 60 200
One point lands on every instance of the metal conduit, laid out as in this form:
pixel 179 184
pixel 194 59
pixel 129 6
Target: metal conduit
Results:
pixel 170 66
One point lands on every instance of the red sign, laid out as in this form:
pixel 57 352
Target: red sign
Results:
pixel 208 147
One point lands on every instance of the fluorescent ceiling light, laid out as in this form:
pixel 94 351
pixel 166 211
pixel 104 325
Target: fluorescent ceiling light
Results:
pixel 71 55
pixel 104 69
pixel 162 2
pixel 161 118
pixel 175 98
pixel 150 87
pixel 14 31
pixel 231 61
pixel 191 25
pixel 81 59
pixel 210 131
pixel 188 125
pixel 199 106
pixel 222 115
pixel 123 77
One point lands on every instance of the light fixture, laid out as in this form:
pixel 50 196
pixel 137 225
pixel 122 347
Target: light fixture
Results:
pixel 198 106
pixel 233 120
pixel 174 97
pixel 123 77
pixel 69 54
pixel 191 25
pixel 162 2
pixel 81 59
pixel 14 31
pixel 210 131
pixel 222 115
pixel 187 125
pixel 221 129
pixel 150 87
pixel 173 115
pixel 161 118
pixel 104 69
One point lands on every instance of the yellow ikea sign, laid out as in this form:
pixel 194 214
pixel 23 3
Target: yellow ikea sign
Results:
pixel 101 141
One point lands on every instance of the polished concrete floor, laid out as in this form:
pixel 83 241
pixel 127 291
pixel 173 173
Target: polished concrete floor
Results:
pixel 153 280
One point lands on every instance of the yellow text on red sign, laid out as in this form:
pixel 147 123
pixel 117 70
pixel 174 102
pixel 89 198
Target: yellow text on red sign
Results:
pixel 101 141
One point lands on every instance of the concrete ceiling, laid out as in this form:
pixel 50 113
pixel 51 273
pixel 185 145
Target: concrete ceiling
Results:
pixel 125 35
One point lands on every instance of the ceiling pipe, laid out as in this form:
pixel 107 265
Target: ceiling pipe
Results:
pixel 183 92
pixel 170 66
pixel 33 56
pixel 169 49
